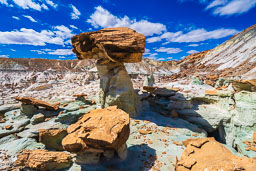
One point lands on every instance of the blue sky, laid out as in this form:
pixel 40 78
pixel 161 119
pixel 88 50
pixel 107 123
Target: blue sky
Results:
pixel 173 28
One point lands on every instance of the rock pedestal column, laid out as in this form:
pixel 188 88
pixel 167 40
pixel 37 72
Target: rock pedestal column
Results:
pixel 116 87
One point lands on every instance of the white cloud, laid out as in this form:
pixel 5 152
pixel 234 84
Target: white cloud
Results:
pixel 4 56
pixel 72 26
pixel 51 3
pixel 16 18
pixel 154 39
pixel 4 2
pixel 60 35
pixel 160 59
pixel 168 50
pixel 169 58
pixel 30 18
pixel 197 35
pixel 216 3
pixel 13 50
pixel 38 51
pixel 193 45
pixel 227 7
pixel 192 51
pixel 235 7
pixel 28 4
pixel 62 57
pixel 61 52
pixel 103 18
pixel 75 14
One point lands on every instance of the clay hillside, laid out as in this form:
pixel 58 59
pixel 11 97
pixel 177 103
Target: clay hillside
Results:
pixel 235 57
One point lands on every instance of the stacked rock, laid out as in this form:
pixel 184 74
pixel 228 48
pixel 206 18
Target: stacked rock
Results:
pixel 112 47
pixel 99 133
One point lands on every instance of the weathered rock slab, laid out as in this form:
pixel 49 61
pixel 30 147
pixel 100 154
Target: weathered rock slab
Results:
pixel 97 130
pixel 43 160
pixel 202 154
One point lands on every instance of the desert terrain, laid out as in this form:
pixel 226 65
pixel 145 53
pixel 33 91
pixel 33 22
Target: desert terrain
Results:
pixel 194 114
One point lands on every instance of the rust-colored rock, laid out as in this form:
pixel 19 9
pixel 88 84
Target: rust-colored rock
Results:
pixel 211 92
pixel 120 44
pixel 254 137
pixel 247 85
pixel 208 154
pixel 43 160
pixel 8 127
pixel 97 130
pixel 213 77
pixel 37 102
pixel 52 138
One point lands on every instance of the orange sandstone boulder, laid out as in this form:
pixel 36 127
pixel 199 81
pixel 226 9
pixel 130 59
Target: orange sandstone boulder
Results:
pixel 98 130
pixel 208 154
pixel 43 160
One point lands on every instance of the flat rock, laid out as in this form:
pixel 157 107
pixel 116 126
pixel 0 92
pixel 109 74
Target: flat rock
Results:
pixel 37 102
pixel 202 154
pixel 43 160
pixel 120 44
pixel 99 129
pixel 7 108
pixel 16 145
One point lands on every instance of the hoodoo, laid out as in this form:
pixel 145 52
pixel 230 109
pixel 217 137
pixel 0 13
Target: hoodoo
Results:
pixel 111 48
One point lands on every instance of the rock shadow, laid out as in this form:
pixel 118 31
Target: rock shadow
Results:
pixel 140 157
pixel 158 109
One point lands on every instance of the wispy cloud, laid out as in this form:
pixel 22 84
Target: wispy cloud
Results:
pixel 62 52
pixel 231 7
pixel 29 4
pixel 103 18
pixel 72 26
pixel 75 13
pixel 227 7
pixel 51 3
pixel 197 44
pixel 192 51
pixel 168 50
pixel 3 2
pixel 197 35
pixel 4 56
pixel 16 18
pixel 30 18
pixel 60 35
pixel 37 5
pixel 38 51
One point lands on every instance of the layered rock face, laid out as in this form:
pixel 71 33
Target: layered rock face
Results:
pixel 111 48
pixel 208 154
pixel 98 132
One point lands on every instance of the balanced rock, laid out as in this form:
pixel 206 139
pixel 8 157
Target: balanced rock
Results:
pixel 112 47
pixel 98 131
pixel 37 102
pixel 43 160
pixel 116 44
pixel 208 154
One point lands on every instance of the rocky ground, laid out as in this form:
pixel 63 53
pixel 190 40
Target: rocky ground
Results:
pixel 179 111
